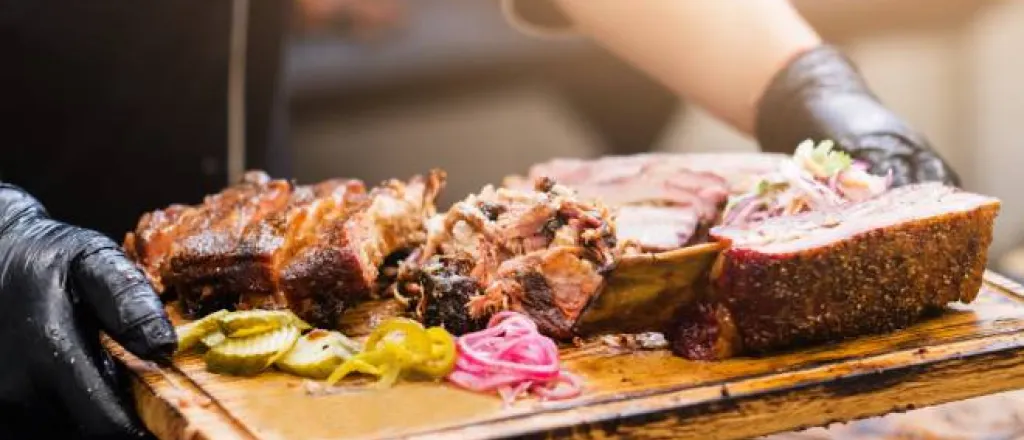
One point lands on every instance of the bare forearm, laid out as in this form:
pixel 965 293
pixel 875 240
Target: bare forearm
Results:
pixel 720 53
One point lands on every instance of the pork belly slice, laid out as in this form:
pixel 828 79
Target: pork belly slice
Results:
pixel 339 263
pixel 315 256
pixel 646 188
pixel 253 269
pixel 216 223
pixel 541 252
pixel 268 244
pixel 243 266
pixel 870 267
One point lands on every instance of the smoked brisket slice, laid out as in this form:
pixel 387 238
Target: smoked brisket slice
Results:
pixel 867 268
pixel 541 252
pixel 662 201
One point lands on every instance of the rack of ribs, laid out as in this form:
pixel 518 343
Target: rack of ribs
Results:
pixel 271 244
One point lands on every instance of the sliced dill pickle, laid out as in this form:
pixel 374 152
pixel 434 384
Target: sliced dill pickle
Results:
pixel 190 334
pixel 253 322
pixel 251 354
pixel 317 354
pixel 212 339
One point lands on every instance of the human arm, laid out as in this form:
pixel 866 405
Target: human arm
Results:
pixel 720 54
pixel 757 65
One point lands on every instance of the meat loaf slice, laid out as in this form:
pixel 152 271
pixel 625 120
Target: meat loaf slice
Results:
pixel 869 267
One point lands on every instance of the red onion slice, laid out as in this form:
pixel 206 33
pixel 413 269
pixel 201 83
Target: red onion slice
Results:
pixel 511 357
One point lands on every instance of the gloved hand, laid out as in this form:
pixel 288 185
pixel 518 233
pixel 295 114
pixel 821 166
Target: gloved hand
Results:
pixel 60 284
pixel 820 95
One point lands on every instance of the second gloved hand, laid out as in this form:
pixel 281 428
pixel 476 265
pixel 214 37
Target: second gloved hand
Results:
pixel 60 285
pixel 820 95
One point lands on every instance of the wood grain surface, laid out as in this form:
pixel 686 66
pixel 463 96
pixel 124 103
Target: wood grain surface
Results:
pixel 968 351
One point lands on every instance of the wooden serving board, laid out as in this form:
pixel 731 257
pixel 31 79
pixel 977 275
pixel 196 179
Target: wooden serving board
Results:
pixel 969 351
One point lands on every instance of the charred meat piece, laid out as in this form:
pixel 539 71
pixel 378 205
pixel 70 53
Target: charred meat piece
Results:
pixel 253 268
pixel 447 290
pixel 241 267
pixel 680 199
pixel 267 244
pixel 340 262
pixel 869 267
pixel 540 252
pixel 217 223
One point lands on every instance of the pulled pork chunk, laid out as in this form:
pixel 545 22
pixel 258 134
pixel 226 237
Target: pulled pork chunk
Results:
pixel 540 252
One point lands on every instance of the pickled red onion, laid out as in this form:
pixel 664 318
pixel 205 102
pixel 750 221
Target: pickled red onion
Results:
pixel 511 357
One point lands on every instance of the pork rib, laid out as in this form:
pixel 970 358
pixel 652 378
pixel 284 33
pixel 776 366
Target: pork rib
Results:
pixel 217 223
pixel 269 244
pixel 869 267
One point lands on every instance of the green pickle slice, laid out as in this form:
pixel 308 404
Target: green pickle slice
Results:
pixel 317 354
pixel 253 322
pixel 251 354
pixel 190 334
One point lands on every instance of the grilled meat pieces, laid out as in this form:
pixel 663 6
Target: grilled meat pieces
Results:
pixel 269 244
pixel 217 222
pixel 541 252
pixel 870 267
pixel 662 201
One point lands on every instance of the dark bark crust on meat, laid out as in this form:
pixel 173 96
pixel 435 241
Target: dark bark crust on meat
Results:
pixel 878 281
pixel 271 245
pixel 540 305
pixel 447 290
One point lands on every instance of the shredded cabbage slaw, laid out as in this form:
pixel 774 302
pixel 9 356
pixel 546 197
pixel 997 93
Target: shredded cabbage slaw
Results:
pixel 816 178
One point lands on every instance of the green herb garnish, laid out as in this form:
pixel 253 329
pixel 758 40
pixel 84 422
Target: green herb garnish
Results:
pixel 823 158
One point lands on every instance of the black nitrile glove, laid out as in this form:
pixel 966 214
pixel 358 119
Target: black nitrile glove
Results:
pixel 60 285
pixel 820 95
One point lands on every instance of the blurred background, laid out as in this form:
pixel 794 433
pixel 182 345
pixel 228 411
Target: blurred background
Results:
pixel 393 87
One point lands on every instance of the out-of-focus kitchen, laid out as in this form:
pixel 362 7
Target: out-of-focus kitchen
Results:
pixel 448 83
pixel 303 190
pixel 409 85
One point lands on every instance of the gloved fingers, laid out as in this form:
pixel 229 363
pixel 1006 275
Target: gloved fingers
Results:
pixel 78 378
pixel 17 204
pixel 931 168
pixel 902 173
pixel 122 299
